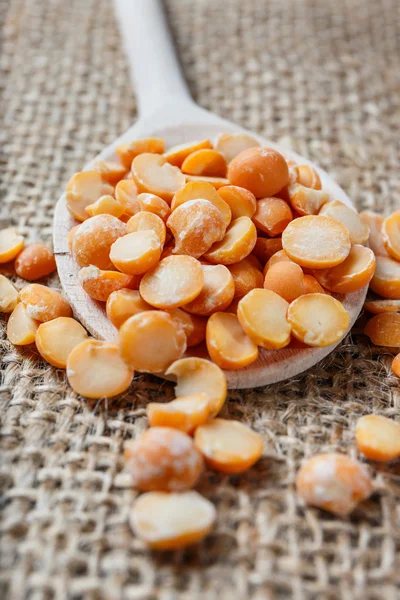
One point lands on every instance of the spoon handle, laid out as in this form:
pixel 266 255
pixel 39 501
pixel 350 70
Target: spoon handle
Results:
pixel 154 66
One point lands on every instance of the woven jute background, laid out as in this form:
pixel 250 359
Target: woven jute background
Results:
pixel 321 77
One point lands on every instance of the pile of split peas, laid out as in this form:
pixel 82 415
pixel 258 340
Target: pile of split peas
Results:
pixel 209 251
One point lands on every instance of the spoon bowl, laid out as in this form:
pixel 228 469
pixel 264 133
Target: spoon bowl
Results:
pixel 168 112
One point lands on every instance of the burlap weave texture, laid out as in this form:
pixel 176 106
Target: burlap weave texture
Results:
pixel 320 76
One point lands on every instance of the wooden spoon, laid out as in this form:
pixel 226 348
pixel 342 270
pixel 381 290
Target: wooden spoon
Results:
pixel 167 111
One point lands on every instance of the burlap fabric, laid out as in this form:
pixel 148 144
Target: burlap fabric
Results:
pixel 319 76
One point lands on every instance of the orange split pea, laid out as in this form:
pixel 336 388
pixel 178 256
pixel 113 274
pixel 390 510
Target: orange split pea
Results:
pixel 391 235
pixel 384 330
pixel 154 204
pixel 9 296
pixel 106 205
pixel 147 221
pixel 286 279
pixel 151 341
pixel 333 482
pixel 11 244
pixel 377 305
pixel 217 292
pixel 193 326
pixel 56 339
pixel 196 375
pixel 199 190
pixel 374 222
pixel 128 151
pixel 308 176
pixel 272 216
pixel 305 200
pixel 238 242
pixel 196 225
pixel 169 521
pixel 396 365
pixel 92 242
pixel 83 189
pixel 227 343
pixel 386 279
pixel 205 162
pixel 174 282
pixel 358 230
pixel 71 234
pixel 99 284
pixel 232 144
pixel 21 328
pixel 246 276
pixel 263 171
pixel 111 172
pixel 318 319
pixel 354 273
pixel 216 182
pixel 96 370
pixel 311 286
pixel 228 446
pixel 177 154
pixel 136 253
pixel 35 261
pixel 262 314
pixel 153 174
pixel 316 241
pixel 265 248
pixel 378 438
pixel 123 304
pixel 126 194
pixel 185 413
pixel 163 459
pixel 241 201
pixel 43 303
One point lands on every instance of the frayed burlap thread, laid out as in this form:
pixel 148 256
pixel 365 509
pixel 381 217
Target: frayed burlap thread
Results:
pixel 321 77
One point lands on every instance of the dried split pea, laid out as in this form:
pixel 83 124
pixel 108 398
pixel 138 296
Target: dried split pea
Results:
pixel 272 216
pixel 384 330
pixel 123 304
pixel 308 176
pixel 359 231
pixel 147 221
pixel 136 253
pixel 262 314
pixel 196 225
pixel 227 343
pixel 316 241
pixel 199 190
pixel 228 446
pixel 318 319
pixel 185 322
pixel 70 236
pixel 35 261
pixel 276 258
pixel 378 438
pixel 128 151
pixel 96 370
pixel 396 365
pixel 56 339
pixel 217 292
pixel 205 162
pixel 174 282
pixel 305 200
pixel 99 284
pixel 241 201
pixel 374 221
pixel 197 375
pixel 154 204
pixel 311 286
pixel 83 189
pixel 111 172
pixel 232 144
pixel 246 277
pixel 93 240
pixel 9 297
pixel 11 244
pixel 21 329
pixel 106 205
pixel 238 242
pixel 151 341
pixel 333 482
pixel 377 306
pixel 265 248
pixel 386 279
pixel 126 194
pixel 163 459
pixel 263 171
pixel 286 279
pixel 177 154
pixel 185 413
pixel 216 182
pixel 391 235
pixel 168 521
pixel 354 273
pixel 43 303
pixel 153 174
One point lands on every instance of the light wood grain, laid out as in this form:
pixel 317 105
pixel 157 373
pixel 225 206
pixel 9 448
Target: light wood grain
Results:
pixel 169 112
